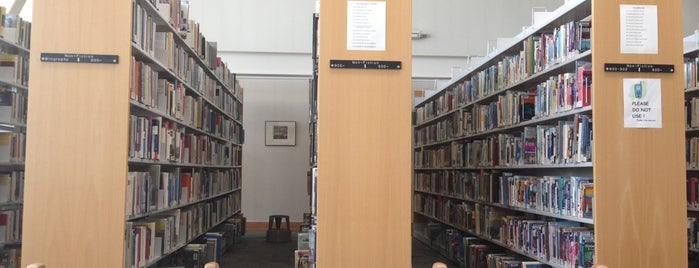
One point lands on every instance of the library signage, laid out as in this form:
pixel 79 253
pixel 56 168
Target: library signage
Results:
pixel 642 103
pixel 79 58
pixel 366 25
pixel 639 68
pixel 639 29
pixel 365 64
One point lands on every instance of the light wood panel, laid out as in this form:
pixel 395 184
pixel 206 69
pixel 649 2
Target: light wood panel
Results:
pixel 77 136
pixel 364 146
pixel 640 211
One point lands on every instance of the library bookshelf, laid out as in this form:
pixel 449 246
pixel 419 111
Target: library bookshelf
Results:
pixel 143 151
pixel 507 158
pixel 14 71
pixel 691 56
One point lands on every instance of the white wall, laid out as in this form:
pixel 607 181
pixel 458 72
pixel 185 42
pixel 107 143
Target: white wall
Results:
pixel 462 27
pixel 274 36
pixel 256 25
pixel 274 177
pixel 691 20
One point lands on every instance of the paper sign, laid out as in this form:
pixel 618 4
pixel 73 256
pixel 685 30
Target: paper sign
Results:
pixel 639 29
pixel 642 103
pixel 366 25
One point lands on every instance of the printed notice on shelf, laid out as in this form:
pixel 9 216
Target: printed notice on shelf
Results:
pixel 639 29
pixel 642 103
pixel 366 25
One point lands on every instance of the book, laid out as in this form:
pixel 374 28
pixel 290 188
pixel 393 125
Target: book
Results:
pixel 527 105
pixel 533 264
pixel 216 245
pixel 9 68
pixel 301 259
pixel 302 241
pixel 529 144
pixel 5 188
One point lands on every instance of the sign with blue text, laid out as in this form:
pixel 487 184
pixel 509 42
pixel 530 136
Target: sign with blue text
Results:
pixel 642 103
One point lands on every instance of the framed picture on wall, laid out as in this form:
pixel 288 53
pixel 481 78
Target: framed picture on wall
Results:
pixel 280 133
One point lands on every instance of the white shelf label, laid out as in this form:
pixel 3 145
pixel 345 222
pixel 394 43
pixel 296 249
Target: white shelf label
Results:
pixel 639 29
pixel 366 25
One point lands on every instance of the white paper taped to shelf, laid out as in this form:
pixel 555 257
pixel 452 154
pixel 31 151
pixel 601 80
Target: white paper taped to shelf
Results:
pixel 642 103
pixel 366 25
pixel 639 29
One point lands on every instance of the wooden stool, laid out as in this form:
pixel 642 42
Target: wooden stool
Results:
pixel 275 232
pixel 211 265
pixel 439 265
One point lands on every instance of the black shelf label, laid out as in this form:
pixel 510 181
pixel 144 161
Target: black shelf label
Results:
pixel 79 58
pixel 365 64
pixel 639 68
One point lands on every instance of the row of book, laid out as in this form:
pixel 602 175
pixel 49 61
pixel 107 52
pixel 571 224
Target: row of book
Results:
pixel 143 28
pixel 692 152
pixel 13 106
pixel 564 243
pixel 691 112
pixel 474 252
pixel 153 91
pixel 173 56
pixel 558 94
pixel 10 258
pixel 567 142
pixel 693 232
pixel 158 236
pixel 562 195
pixel 693 192
pixel 171 11
pixel 538 54
pixel 11 187
pixel 208 248
pixel 193 255
pixel 158 189
pixel 546 50
pixel 193 37
pixel 223 72
pixel 14 29
pixel 691 74
pixel 12 147
pixel 176 13
pixel 14 69
pixel 154 138
pixel 10 226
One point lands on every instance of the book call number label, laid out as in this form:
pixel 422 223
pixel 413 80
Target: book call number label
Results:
pixel 79 58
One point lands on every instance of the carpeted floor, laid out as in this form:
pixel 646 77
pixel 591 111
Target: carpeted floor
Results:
pixel 254 251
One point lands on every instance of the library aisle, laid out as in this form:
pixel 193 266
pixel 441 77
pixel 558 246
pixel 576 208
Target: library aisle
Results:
pixel 254 251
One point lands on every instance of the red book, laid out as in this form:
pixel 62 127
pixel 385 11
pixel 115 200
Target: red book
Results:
pixel 584 86
pixel 185 187
pixel 692 190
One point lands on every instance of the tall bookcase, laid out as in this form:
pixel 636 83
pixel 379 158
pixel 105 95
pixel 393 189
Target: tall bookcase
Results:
pixel 527 151
pixel 143 152
pixel 14 71
pixel 363 128
pixel 691 54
